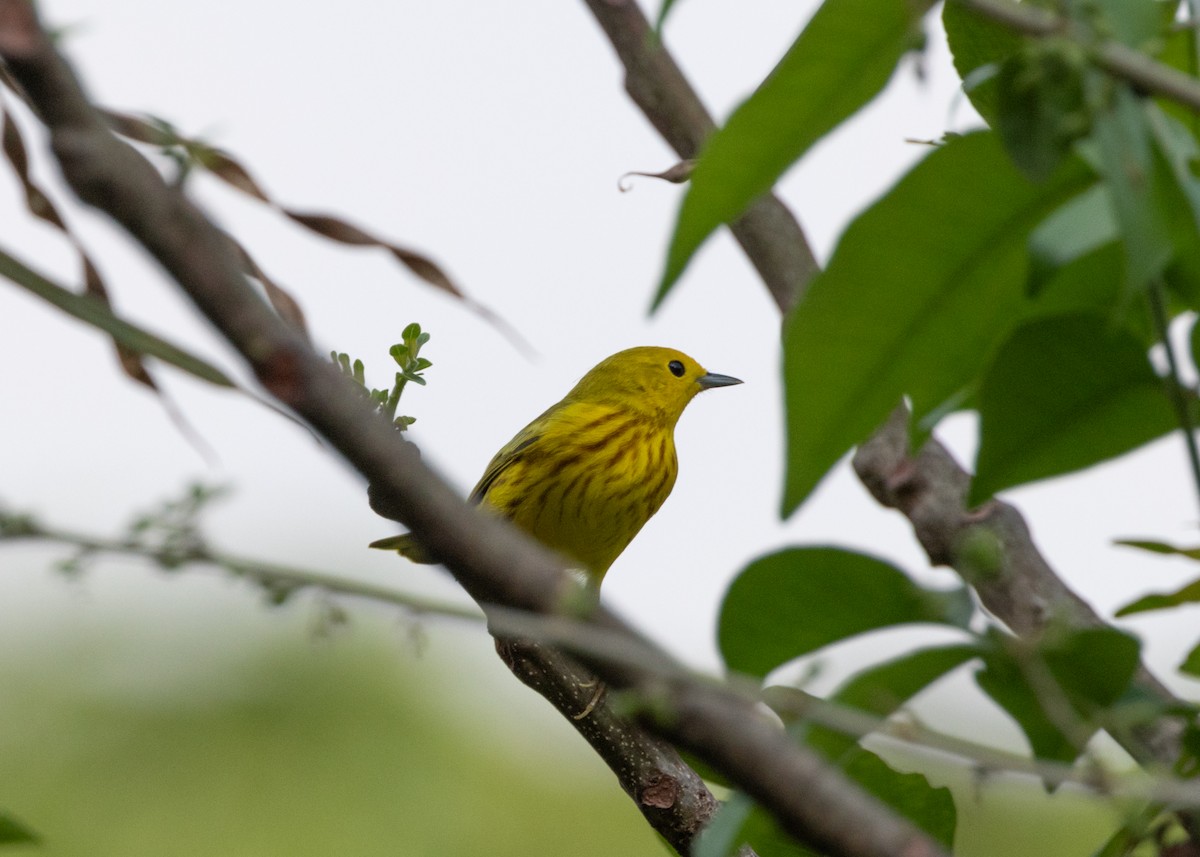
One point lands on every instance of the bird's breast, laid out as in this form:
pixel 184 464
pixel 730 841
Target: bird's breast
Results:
pixel 593 489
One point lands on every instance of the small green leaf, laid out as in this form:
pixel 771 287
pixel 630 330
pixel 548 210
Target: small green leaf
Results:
pixel 1191 664
pixel 798 600
pixel 1194 342
pixel 12 832
pixel 921 288
pixel 883 688
pixel 1140 186
pixel 1177 153
pixel 1143 26
pixel 411 331
pixel 1064 393
pixel 1002 680
pixel 740 821
pixel 1160 548
pixel 911 795
pixel 977 44
pixel 1069 682
pixel 1041 109
pixel 1188 594
pixel 1093 665
pixel 842 59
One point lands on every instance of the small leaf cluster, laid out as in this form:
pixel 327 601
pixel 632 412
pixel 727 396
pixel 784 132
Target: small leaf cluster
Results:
pixel 406 353
pixel 171 532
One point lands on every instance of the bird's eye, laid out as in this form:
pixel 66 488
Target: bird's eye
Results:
pixel 676 368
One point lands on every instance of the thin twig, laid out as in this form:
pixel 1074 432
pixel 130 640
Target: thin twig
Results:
pixel 274 576
pixel 1175 388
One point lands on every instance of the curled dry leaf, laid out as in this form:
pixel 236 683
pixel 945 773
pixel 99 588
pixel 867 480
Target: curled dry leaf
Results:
pixel 677 174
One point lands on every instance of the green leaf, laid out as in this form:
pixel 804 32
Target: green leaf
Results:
pixel 1093 665
pixel 882 689
pixel 1142 26
pixel 1140 186
pixel 1066 683
pixel 1002 680
pixel 798 600
pixel 1176 152
pixel 1082 226
pixel 920 289
pixel 1064 393
pixel 978 45
pixel 841 60
pixel 95 313
pixel 1188 594
pixel 911 795
pixel 1179 52
pixel 1092 283
pixel 1040 106
pixel 1160 548
pixel 1194 343
pixel 13 832
pixel 740 821
pixel 1191 664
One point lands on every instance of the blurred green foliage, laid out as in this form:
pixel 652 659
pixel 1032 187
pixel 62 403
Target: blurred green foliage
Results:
pixel 304 748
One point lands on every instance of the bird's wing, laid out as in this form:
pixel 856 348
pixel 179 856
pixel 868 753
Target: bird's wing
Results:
pixel 505 458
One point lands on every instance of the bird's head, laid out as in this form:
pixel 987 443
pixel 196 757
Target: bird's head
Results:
pixel 657 382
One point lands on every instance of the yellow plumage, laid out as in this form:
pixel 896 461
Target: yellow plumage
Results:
pixel 586 475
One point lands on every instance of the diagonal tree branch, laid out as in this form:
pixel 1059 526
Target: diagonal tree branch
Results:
pixel 767 232
pixel 490 558
pixel 930 489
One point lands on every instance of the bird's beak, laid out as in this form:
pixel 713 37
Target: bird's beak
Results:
pixel 714 380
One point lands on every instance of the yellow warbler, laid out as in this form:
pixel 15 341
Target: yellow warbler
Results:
pixel 589 472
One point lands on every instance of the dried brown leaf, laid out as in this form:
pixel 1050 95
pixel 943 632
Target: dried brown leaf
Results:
pixel 225 167
pixel 677 174
pixel 143 130
pixel 282 301
pixel 336 229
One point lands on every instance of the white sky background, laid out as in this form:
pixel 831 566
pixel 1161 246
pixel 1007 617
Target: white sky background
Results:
pixel 490 136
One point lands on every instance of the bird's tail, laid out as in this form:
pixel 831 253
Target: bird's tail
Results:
pixel 406 545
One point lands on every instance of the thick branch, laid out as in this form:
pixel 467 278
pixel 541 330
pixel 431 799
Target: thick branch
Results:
pixel 1015 582
pixel 492 561
pixel 767 232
